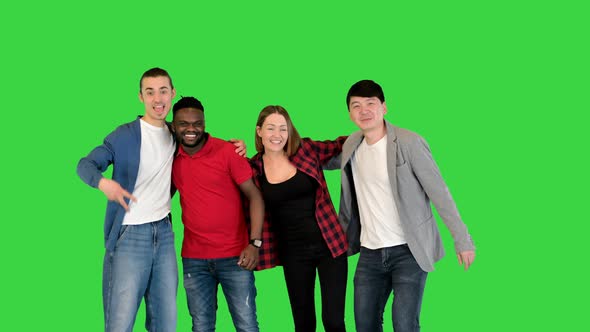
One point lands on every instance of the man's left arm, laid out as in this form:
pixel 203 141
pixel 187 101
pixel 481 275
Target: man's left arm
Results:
pixel 249 256
pixel 435 187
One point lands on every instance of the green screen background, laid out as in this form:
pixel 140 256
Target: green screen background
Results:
pixel 498 88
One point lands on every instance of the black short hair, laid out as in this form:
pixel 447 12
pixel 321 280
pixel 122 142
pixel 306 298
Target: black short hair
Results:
pixel 365 88
pixel 187 102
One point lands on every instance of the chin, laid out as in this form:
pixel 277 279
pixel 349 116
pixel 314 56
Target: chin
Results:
pixel 273 149
pixel 188 145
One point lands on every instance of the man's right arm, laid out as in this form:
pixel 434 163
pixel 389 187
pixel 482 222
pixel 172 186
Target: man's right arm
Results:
pixel 91 167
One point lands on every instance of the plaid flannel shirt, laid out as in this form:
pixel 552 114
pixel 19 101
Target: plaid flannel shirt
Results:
pixel 309 158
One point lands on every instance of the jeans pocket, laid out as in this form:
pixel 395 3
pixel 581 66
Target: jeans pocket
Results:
pixel 122 233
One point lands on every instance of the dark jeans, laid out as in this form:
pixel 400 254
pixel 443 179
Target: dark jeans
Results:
pixel 379 272
pixel 299 267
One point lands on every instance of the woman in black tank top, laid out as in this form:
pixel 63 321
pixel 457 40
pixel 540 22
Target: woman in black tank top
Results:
pixel 305 229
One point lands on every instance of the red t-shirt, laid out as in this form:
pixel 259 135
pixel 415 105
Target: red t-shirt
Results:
pixel 214 225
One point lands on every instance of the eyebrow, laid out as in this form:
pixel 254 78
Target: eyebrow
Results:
pixel 190 122
pixel 160 88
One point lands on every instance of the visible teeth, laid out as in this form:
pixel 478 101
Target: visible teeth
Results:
pixel 190 136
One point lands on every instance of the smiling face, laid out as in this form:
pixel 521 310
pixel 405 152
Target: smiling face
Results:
pixel 189 127
pixel 367 113
pixel 274 133
pixel 156 95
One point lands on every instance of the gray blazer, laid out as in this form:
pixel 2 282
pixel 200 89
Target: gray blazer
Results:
pixel 415 181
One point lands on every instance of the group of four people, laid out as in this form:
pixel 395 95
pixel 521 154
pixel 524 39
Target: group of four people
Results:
pixel 273 209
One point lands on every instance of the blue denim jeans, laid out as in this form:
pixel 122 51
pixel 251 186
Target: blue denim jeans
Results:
pixel 201 280
pixel 379 272
pixel 142 265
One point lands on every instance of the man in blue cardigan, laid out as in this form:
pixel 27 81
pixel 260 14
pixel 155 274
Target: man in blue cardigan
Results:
pixel 140 259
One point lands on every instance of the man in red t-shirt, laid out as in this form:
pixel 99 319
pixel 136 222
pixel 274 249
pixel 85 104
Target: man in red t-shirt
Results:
pixel 216 248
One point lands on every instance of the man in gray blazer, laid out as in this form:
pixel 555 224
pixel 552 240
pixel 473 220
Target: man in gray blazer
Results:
pixel 389 179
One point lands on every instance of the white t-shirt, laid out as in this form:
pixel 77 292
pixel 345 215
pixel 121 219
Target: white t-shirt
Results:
pixel 380 224
pixel 152 187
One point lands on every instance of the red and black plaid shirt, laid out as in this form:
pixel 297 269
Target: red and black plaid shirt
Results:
pixel 309 158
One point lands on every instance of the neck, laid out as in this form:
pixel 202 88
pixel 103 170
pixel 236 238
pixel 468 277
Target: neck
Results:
pixel 373 136
pixel 274 155
pixel 191 150
pixel 154 122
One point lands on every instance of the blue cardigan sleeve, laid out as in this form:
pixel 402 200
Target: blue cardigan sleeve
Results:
pixel 91 167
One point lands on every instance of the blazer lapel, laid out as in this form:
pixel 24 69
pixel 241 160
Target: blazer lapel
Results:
pixel 392 159
pixel 350 145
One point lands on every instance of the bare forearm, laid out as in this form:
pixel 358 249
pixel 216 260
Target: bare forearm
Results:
pixel 256 217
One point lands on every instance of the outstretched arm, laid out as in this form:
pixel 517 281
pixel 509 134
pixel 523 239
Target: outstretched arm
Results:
pixel 329 152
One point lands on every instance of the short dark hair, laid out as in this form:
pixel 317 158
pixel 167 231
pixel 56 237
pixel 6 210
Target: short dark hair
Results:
pixel 187 102
pixel 155 72
pixel 365 88
pixel 294 139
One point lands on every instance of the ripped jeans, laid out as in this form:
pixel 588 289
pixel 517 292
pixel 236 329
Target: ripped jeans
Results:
pixel 201 280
